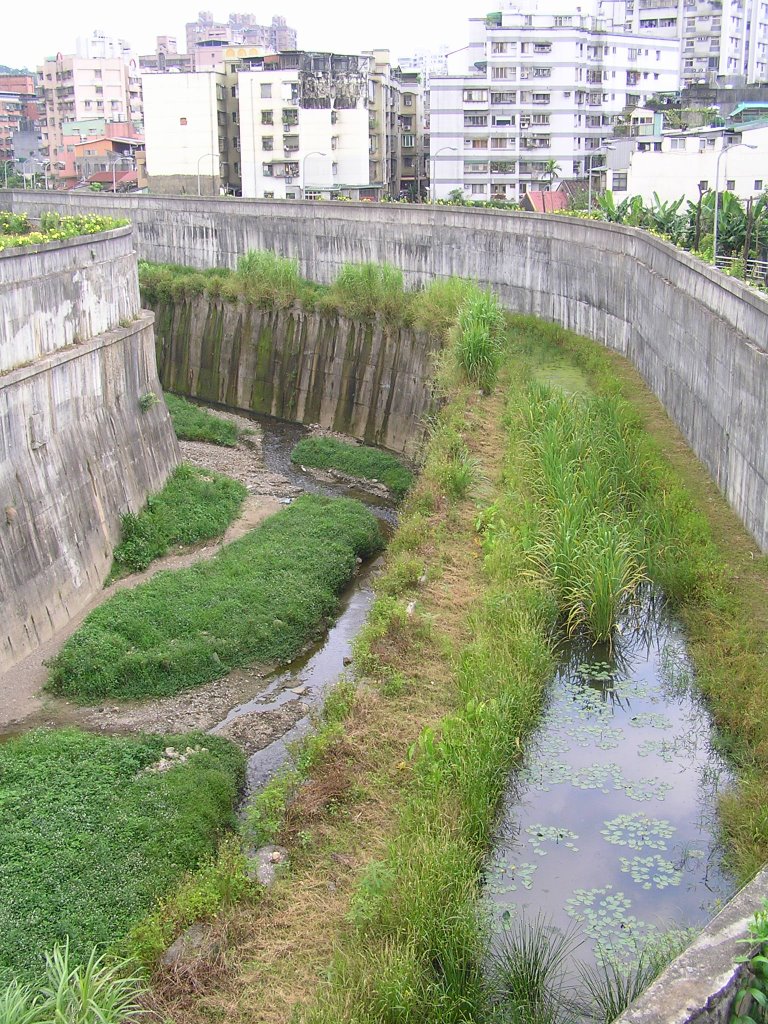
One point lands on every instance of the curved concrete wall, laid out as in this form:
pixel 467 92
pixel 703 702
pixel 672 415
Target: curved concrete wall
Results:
pixel 56 294
pixel 76 449
pixel 698 338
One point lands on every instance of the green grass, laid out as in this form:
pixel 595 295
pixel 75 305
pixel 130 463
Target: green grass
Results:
pixel 478 338
pixel 357 460
pixel 192 423
pixel 194 505
pixel 90 840
pixel 261 598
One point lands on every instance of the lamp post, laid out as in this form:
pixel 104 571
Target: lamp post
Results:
pixel 600 151
pixel 315 152
pixel 433 160
pixel 720 155
pixel 199 161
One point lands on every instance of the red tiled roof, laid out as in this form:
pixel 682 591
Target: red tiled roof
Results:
pixel 545 202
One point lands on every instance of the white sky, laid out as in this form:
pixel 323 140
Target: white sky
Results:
pixel 28 34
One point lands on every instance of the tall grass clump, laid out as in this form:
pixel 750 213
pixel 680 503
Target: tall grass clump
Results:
pixel 365 290
pixel 356 459
pixel 99 991
pixel 92 836
pixel 193 423
pixel 435 308
pixel 585 475
pixel 269 279
pixel 478 338
pixel 195 505
pixel 261 598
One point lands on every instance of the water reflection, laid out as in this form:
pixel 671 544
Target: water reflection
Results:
pixel 611 824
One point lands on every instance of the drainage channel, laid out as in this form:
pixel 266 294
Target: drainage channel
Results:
pixel 609 829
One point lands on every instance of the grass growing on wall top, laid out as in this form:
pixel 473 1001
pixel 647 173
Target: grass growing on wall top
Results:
pixel 195 505
pixel 260 598
pixel 192 423
pixel 355 459
pixel 91 839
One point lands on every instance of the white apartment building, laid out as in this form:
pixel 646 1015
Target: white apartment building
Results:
pixel 718 37
pixel 303 134
pixel 79 88
pixel 687 162
pixel 185 132
pixel 544 91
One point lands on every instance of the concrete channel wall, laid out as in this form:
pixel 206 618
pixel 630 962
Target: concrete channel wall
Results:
pixel 698 338
pixel 368 380
pixel 77 449
pixel 56 294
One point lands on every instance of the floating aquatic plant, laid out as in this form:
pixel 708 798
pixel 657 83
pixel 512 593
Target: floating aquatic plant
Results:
pixel 538 835
pixel 652 871
pixel 638 831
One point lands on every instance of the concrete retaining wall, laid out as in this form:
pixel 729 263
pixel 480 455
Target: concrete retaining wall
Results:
pixel 76 449
pixel 698 338
pixel 701 985
pixel 364 379
pixel 56 294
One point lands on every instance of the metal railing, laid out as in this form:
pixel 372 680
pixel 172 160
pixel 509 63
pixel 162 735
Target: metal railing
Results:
pixel 754 270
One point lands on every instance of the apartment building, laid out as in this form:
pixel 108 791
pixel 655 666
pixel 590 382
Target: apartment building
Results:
pixel 719 38
pixel 167 57
pixel 241 29
pixel 78 88
pixel 18 110
pixel 540 98
pixel 411 122
pixel 186 132
pixel 285 126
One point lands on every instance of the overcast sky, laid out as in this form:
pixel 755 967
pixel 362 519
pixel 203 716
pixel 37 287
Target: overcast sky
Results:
pixel 31 32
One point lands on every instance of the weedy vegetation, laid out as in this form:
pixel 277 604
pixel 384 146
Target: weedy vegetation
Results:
pixel 195 505
pixel 356 460
pixel 193 423
pixel 260 598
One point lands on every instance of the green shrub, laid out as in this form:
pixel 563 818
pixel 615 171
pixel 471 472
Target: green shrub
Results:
pixel 354 459
pixel 91 838
pixel 260 598
pixel 193 423
pixel 194 505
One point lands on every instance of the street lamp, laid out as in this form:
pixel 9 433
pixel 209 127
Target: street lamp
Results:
pixel 213 156
pixel 597 152
pixel 315 152
pixel 720 155
pixel 433 160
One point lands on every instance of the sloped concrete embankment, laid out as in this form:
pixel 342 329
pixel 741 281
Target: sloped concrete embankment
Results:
pixel 81 441
pixel 365 379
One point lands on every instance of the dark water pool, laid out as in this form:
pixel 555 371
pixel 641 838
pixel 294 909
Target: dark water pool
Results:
pixel 610 827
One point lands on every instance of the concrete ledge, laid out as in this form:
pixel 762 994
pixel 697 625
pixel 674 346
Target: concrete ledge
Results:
pixel 701 984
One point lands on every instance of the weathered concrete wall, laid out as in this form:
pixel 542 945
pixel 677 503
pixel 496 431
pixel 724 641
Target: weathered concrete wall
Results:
pixel 364 379
pixel 55 294
pixel 700 985
pixel 698 338
pixel 76 450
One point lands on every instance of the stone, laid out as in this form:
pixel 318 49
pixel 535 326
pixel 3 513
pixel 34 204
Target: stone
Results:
pixel 188 943
pixel 410 609
pixel 265 863
pixel 346 660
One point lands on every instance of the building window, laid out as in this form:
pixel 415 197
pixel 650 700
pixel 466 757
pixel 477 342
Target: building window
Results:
pixel 235 142
pixel 476 143
pixel 409 141
pixel 267 143
pixel 703 185
pixel 267 117
pixel 234 116
pixel 758 184
pixel 619 182
pixel 237 168
pixel 269 195
pixel 266 90
pixel 498 47
pixel 408 99
pixel 475 96
pixel 730 184
pixel 233 92
pixel 677 144
pixel 471 168
pixel 475 120
pixel 503 97
pixel 477 190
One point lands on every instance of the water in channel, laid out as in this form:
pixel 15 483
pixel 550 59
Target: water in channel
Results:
pixel 609 828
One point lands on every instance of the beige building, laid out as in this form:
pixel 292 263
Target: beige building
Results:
pixel 79 88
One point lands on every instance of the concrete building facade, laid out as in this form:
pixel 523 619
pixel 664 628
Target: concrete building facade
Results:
pixel 540 98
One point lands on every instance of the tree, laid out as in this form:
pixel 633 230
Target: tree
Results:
pixel 551 170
